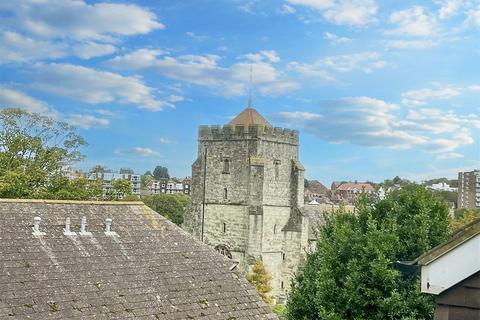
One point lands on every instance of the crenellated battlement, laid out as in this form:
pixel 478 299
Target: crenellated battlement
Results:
pixel 240 132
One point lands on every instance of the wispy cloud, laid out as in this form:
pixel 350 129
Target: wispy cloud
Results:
pixel 86 121
pixel 138 151
pixel 342 12
pixel 206 71
pixel 333 38
pixel 414 21
pixel 373 122
pixel 94 87
pixel 421 96
pixel 163 140
pixel 49 30
pixel 18 99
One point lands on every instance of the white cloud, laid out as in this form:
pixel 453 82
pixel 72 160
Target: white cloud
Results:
pixel 311 71
pixel 414 21
pixel 89 50
pixel 286 9
pixel 140 151
pixel 364 61
pixel 268 55
pixel 54 29
pixel 79 20
pixel 93 86
pixel 342 12
pixel 333 38
pixel 17 99
pixel 162 140
pixel 86 121
pixel 316 4
pixel 473 16
pixel 195 36
pixel 17 48
pixel 449 8
pixel 420 97
pixel 411 44
pixel 373 122
pixel 449 155
pixel 205 71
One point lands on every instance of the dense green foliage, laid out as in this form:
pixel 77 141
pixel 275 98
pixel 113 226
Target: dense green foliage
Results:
pixel 33 149
pixel 171 206
pixel 280 310
pixel 146 180
pixel 260 280
pixel 120 190
pixel 462 217
pixel 161 173
pixel 352 274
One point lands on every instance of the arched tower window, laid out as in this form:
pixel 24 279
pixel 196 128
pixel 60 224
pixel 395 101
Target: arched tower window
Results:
pixel 284 256
pixel 225 194
pixel 224 227
pixel 223 249
pixel 226 165
pixel 274 229
pixel 276 164
pixel 281 284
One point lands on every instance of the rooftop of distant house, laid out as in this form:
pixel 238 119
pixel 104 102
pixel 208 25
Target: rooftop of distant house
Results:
pixel 356 186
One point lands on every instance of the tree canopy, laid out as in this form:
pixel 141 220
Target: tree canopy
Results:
pixel 161 173
pixel 171 206
pixel 352 274
pixel 33 149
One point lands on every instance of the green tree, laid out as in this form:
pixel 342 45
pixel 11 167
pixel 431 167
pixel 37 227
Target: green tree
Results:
pixel 161 173
pixel 99 169
pixel 146 180
pixel 121 189
pixel 462 217
pixel 33 149
pixel 260 280
pixel 352 274
pixel 60 187
pixel 171 206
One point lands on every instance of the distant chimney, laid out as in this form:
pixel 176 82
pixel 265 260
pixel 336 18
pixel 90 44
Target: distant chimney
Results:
pixel 36 227
pixel 66 230
pixel 108 225
pixel 108 228
pixel 83 227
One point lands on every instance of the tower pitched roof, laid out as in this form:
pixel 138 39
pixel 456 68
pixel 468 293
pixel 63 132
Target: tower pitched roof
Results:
pixel 249 116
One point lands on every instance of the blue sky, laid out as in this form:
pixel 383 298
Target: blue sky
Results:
pixel 376 88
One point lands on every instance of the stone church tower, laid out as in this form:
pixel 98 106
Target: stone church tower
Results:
pixel 247 196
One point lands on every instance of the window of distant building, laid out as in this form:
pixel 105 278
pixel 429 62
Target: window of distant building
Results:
pixel 274 229
pixel 225 194
pixel 226 165
pixel 284 256
pixel 281 284
pixel 277 163
pixel 224 227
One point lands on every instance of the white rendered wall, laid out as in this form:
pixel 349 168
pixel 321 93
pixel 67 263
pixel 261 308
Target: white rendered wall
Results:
pixel 452 267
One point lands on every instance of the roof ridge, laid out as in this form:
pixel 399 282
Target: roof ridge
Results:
pixel 54 201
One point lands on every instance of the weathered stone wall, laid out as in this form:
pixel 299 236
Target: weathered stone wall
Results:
pixel 259 216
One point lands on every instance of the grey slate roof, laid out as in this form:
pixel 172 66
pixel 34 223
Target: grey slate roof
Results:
pixel 151 270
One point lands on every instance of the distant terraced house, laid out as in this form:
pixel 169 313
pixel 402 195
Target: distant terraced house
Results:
pixel 113 260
